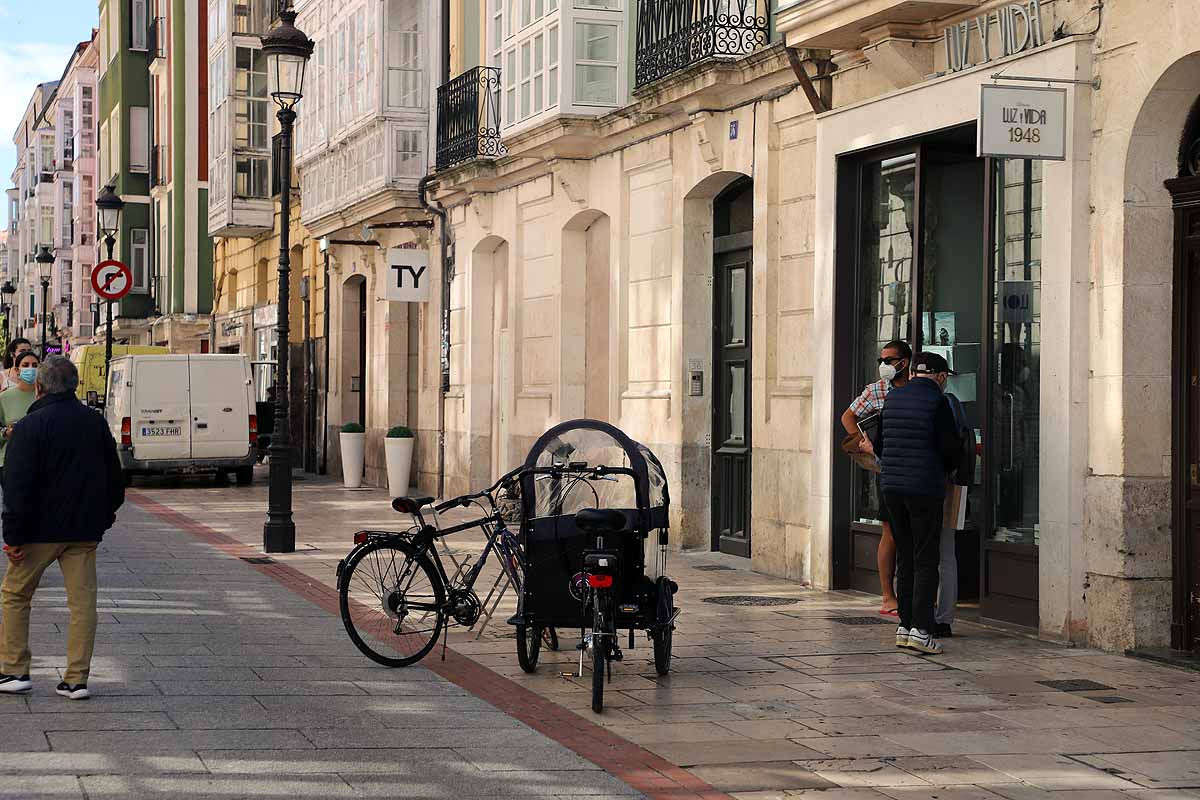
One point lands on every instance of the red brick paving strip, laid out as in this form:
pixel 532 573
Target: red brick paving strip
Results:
pixel 655 777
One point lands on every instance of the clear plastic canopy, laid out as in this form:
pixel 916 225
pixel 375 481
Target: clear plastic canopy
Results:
pixel 594 443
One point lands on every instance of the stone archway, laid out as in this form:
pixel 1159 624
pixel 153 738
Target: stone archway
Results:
pixel 1129 494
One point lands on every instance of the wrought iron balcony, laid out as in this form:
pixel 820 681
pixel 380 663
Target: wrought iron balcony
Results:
pixel 675 34
pixel 468 117
pixel 157 174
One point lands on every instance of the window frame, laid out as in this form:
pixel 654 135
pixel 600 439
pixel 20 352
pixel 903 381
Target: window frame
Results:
pixel 142 44
pixel 615 66
pixel 143 249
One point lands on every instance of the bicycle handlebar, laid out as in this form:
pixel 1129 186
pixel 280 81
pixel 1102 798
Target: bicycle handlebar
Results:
pixel 558 470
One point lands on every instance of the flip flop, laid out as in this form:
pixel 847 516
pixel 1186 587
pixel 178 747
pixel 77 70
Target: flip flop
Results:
pixel 889 612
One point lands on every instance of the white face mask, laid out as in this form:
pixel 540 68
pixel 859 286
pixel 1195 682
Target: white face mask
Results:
pixel 888 372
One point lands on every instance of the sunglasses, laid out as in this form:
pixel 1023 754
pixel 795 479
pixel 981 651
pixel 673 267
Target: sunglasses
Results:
pixel 889 360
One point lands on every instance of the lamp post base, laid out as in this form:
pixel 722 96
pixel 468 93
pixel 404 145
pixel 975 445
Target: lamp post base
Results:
pixel 279 536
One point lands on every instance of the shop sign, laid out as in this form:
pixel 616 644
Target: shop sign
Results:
pixel 266 316
pixel 408 278
pixel 1023 122
pixel 1016 27
pixel 1015 301
pixel 231 328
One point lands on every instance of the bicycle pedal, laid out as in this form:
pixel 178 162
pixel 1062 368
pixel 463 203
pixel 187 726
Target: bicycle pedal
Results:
pixel 618 655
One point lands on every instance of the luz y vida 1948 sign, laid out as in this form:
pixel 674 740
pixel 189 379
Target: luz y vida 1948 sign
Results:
pixel 1023 122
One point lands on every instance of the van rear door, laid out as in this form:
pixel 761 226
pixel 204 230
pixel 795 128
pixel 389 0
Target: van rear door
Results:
pixel 220 412
pixel 160 425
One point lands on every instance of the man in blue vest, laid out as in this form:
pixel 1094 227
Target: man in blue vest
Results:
pixel 918 445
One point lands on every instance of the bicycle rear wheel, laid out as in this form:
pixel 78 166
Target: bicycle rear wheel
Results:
pixel 392 603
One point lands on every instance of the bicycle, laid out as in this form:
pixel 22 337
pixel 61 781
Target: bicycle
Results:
pixel 394 590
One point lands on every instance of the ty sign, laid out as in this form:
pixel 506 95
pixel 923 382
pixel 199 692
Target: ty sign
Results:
pixel 408 277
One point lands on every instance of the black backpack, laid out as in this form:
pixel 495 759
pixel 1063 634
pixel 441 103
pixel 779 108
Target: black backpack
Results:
pixel 964 473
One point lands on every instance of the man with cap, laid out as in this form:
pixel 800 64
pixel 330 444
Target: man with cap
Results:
pixel 918 445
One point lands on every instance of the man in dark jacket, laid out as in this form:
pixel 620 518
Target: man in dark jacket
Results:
pixel 62 489
pixel 918 444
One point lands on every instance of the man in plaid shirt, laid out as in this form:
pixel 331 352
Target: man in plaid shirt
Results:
pixel 894 360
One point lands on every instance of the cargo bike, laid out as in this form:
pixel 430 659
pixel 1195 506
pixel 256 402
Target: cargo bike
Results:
pixel 594 502
pixel 590 501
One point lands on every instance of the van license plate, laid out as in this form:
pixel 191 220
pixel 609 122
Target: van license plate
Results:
pixel 158 431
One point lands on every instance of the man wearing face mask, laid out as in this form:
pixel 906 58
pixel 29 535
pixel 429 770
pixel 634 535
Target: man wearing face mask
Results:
pixel 917 445
pixel 894 359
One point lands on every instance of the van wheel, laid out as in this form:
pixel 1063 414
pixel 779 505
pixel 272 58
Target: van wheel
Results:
pixel 244 476
pixel 128 478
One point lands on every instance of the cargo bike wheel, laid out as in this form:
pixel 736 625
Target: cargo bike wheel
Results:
pixel 530 638
pixel 392 603
pixel 664 630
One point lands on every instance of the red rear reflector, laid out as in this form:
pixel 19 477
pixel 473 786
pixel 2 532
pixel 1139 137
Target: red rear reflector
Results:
pixel 360 537
pixel 126 432
pixel 600 581
pixel 253 429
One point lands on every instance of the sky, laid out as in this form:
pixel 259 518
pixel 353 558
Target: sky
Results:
pixel 36 39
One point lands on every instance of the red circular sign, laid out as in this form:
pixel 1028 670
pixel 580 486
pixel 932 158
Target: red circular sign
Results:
pixel 112 280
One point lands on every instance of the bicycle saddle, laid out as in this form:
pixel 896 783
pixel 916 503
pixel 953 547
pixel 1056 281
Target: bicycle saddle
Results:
pixel 600 520
pixel 410 505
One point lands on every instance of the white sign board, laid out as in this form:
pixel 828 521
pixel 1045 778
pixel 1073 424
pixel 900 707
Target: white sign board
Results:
pixel 1023 122
pixel 408 278
pixel 1015 301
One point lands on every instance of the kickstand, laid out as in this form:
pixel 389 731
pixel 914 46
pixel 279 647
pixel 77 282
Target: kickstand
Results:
pixel 445 635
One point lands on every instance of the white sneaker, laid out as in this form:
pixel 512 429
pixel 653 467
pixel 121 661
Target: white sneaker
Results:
pixel 901 636
pixel 923 642
pixel 77 692
pixel 12 684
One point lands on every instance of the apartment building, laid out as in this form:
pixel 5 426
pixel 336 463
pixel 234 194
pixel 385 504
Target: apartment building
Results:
pixel 700 220
pixel 244 222
pixel 123 157
pixel 33 207
pixel 181 279
pixel 361 149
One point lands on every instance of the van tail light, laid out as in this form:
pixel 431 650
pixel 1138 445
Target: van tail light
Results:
pixel 126 432
pixel 600 581
pixel 253 429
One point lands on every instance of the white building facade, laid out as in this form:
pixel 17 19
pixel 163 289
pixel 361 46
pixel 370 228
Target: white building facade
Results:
pixel 362 146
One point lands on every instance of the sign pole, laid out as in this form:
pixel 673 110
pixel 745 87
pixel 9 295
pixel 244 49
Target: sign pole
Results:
pixel 107 335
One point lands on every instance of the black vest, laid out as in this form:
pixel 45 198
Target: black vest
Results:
pixel 911 462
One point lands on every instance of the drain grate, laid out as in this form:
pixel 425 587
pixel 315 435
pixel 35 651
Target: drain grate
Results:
pixel 1077 685
pixel 1111 699
pixel 862 621
pixel 750 600
pixel 258 560
pixel 714 568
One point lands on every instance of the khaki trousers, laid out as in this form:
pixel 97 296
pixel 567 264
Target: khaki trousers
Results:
pixel 77 560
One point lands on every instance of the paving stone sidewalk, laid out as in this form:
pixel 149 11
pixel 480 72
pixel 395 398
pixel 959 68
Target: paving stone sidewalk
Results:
pixel 808 698
pixel 212 680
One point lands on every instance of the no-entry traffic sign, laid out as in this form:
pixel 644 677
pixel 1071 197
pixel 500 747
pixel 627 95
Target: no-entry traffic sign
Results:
pixel 112 280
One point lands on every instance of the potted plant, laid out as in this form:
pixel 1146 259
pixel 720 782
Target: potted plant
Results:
pixel 398 450
pixel 354 441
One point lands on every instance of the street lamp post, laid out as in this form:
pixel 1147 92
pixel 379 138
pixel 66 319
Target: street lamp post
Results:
pixel 287 51
pixel 45 262
pixel 7 291
pixel 108 212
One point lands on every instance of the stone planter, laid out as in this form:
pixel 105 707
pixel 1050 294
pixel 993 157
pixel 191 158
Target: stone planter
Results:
pixel 399 453
pixel 353 450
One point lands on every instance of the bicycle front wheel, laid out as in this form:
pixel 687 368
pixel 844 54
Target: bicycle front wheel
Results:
pixel 392 602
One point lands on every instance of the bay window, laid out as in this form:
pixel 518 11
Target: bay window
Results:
pixel 251 138
pixel 553 57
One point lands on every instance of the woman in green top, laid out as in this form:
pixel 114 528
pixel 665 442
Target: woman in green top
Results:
pixel 16 399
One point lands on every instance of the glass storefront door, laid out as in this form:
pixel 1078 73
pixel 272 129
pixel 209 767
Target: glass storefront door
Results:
pixel 1010 550
pixel 946 255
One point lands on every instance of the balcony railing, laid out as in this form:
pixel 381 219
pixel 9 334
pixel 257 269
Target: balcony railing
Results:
pixel 157 178
pixel 675 34
pixel 468 117
pixel 158 40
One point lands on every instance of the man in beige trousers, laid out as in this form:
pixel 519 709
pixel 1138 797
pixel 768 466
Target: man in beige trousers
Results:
pixel 62 488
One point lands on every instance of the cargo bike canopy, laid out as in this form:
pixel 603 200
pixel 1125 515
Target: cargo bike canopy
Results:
pixel 638 486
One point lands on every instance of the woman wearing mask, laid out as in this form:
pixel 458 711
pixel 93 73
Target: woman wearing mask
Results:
pixel 15 348
pixel 16 400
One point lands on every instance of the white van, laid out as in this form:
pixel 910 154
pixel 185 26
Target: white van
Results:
pixel 183 414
